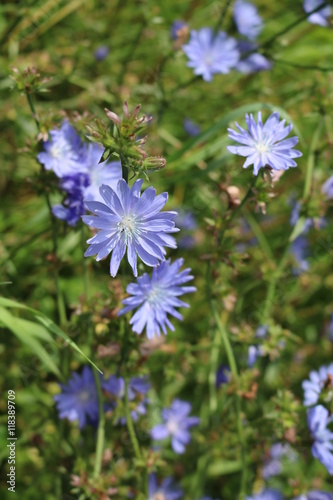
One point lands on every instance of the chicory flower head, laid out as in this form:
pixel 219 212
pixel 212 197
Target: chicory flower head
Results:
pixel 319 381
pixel 322 448
pixel 157 297
pixel 64 152
pixel 78 399
pixel 263 144
pixel 176 425
pixel 209 54
pixel 251 62
pixel 128 221
pixel 165 491
pixel 247 19
pixel 320 17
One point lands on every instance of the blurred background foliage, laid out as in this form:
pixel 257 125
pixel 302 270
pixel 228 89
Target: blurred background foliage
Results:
pixel 60 38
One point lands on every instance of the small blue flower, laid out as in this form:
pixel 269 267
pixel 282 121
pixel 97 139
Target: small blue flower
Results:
pixel 73 207
pixel 166 491
pixel 101 52
pixel 268 494
pixel 273 465
pixel 256 351
pixel 176 425
pixel 247 19
pixel 323 378
pixel 187 223
pixel 176 29
pixel 309 222
pixel 78 399
pixel 136 390
pixel 300 249
pixel 263 144
pixel 222 375
pixel 327 188
pixel 315 495
pixel 156 297
pixel 319 17
pixel 210 54
pixel 191 128
pixel 130 222
pixel 322 448
pixel 251 63
pixel 108 173
pixel 64 152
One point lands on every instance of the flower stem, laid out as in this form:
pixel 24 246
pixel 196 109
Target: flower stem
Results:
pixel 101 427
pixel 233 366
pixel 130 427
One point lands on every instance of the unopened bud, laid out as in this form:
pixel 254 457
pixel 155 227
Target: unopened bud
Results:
pixel 154 163
pixel 113 117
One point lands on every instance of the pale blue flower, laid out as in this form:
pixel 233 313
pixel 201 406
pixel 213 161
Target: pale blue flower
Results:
pixel 263 144
pixel 319 380
pixel 191 128
pixel 176 425
pixel 300 250
pixel 209 54
pixel 101 52
pixel 107 173
pixel 319 17
pixel 273 464
pixel 176 28
pixel 247 19
pixel 157 297
pixel 78 399
pixel 251 62
pixel 167 490
pixel 322 448
pixel 327 188
pixel 128 221
pixel 64 152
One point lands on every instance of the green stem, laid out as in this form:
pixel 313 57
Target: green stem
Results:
pixel 233 366
pixel 130 427
pixel 33 110
pixel 214 359
pixel 101 427
pixel 260 235
pixel 311 159
pixel 222 16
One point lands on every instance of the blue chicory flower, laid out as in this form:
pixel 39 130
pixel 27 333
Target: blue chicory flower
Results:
pixel 222 375
pixel 300 249
pixel 327 188
pixel 319 380
pixel 251 62
pixel 78 399
pixel 166 491
pixel 247 19
pixel 273 465
pixel 187 223
pixel 320 17
pixel 191 128
pixel 176 28
pixel 136 390
pixel 156 297
pixel 73 207
pixel 128 221
pixel 322 448
pixel 176 425
pixel 309 222
pixel 263 144
pixel 256 351
pixel 64 152
pixel 315 495
pixel 101 52
pixel 209 54
pixel 268 494
pixel 106 172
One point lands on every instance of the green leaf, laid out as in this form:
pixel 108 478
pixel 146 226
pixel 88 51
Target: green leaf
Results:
pixel 49 324
pixel 298 229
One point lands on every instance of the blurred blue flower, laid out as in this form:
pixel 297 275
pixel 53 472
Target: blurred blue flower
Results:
pixel 323 378
pixel 222 375
pixel 256 351
pixel 128 221
pixel 73 207
pixel 319 17
pixel 315 495
pixel 273 465
pixel 166 491
pixel 300 249
pixel 64 152
pixel 251 63
pixel 176 28
pixel 322 448
pixel 157 297
pixel 263 144
pixel 101 52
pixel 330 329
pixel 210 54
pixel 78 399
pixel 309 222
pixel 268 494
pixel 136 389
pixel 98 174
pixel 247 19
pixel 176 425
pixel 327 188
pixel 187 223
pixel 191 128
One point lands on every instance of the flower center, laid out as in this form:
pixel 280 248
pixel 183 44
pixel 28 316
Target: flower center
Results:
pixel 127 226
pixel 156 294
pixel 262 147
pixel 55 151
pixel 84 396
pixel 172 426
